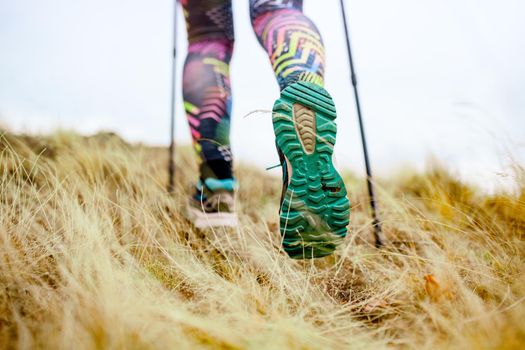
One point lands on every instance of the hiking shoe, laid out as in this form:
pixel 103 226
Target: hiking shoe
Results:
pixel 314 212
pixel 212 204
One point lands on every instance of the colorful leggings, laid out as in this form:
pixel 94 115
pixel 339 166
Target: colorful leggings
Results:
pixel 291 40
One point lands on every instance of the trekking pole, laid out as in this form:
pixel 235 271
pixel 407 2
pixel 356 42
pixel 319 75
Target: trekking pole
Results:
pixel 378 234
pixel 171 160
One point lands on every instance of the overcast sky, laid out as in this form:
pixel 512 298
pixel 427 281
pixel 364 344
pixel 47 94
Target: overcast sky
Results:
pixel 443 78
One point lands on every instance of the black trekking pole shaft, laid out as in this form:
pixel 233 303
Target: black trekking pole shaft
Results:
pixel 379 239
pixel 171 160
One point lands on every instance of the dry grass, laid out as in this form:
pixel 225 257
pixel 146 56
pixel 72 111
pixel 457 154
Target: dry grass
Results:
pixel 94 254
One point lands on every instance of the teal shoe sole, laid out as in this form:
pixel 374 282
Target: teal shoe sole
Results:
pixel 315 209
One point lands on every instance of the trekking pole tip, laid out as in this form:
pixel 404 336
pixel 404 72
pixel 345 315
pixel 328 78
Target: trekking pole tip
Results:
pixel 380 240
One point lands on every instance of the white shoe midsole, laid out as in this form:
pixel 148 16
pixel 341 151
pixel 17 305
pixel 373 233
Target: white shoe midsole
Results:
pixel 202 219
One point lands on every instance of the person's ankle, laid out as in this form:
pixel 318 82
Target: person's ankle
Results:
pixel 216 168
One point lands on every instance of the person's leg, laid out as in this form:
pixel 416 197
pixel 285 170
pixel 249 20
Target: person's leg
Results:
pixel 291 39
pixel 207 101
pixel 314 211
pixel 206 83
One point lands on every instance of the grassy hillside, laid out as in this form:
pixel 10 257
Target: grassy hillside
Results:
pixel 95 255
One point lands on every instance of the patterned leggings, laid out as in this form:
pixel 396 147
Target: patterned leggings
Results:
pixel 293 45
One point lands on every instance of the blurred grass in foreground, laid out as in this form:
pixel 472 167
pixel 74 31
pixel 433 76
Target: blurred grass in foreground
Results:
pixel 95 255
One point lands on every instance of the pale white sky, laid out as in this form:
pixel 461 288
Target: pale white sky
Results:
pixel 436 77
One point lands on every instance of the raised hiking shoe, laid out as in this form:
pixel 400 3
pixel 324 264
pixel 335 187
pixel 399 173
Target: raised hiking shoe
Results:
pixel 315 210
pixel 212 204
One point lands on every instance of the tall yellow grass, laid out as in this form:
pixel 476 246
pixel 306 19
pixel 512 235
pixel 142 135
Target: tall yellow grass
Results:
pixel 95 255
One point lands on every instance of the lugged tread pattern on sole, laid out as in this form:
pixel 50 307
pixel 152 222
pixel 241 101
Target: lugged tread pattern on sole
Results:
pixel 315 210
pixel 304 122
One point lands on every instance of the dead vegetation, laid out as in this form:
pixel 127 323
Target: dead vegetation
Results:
pixel 95 255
